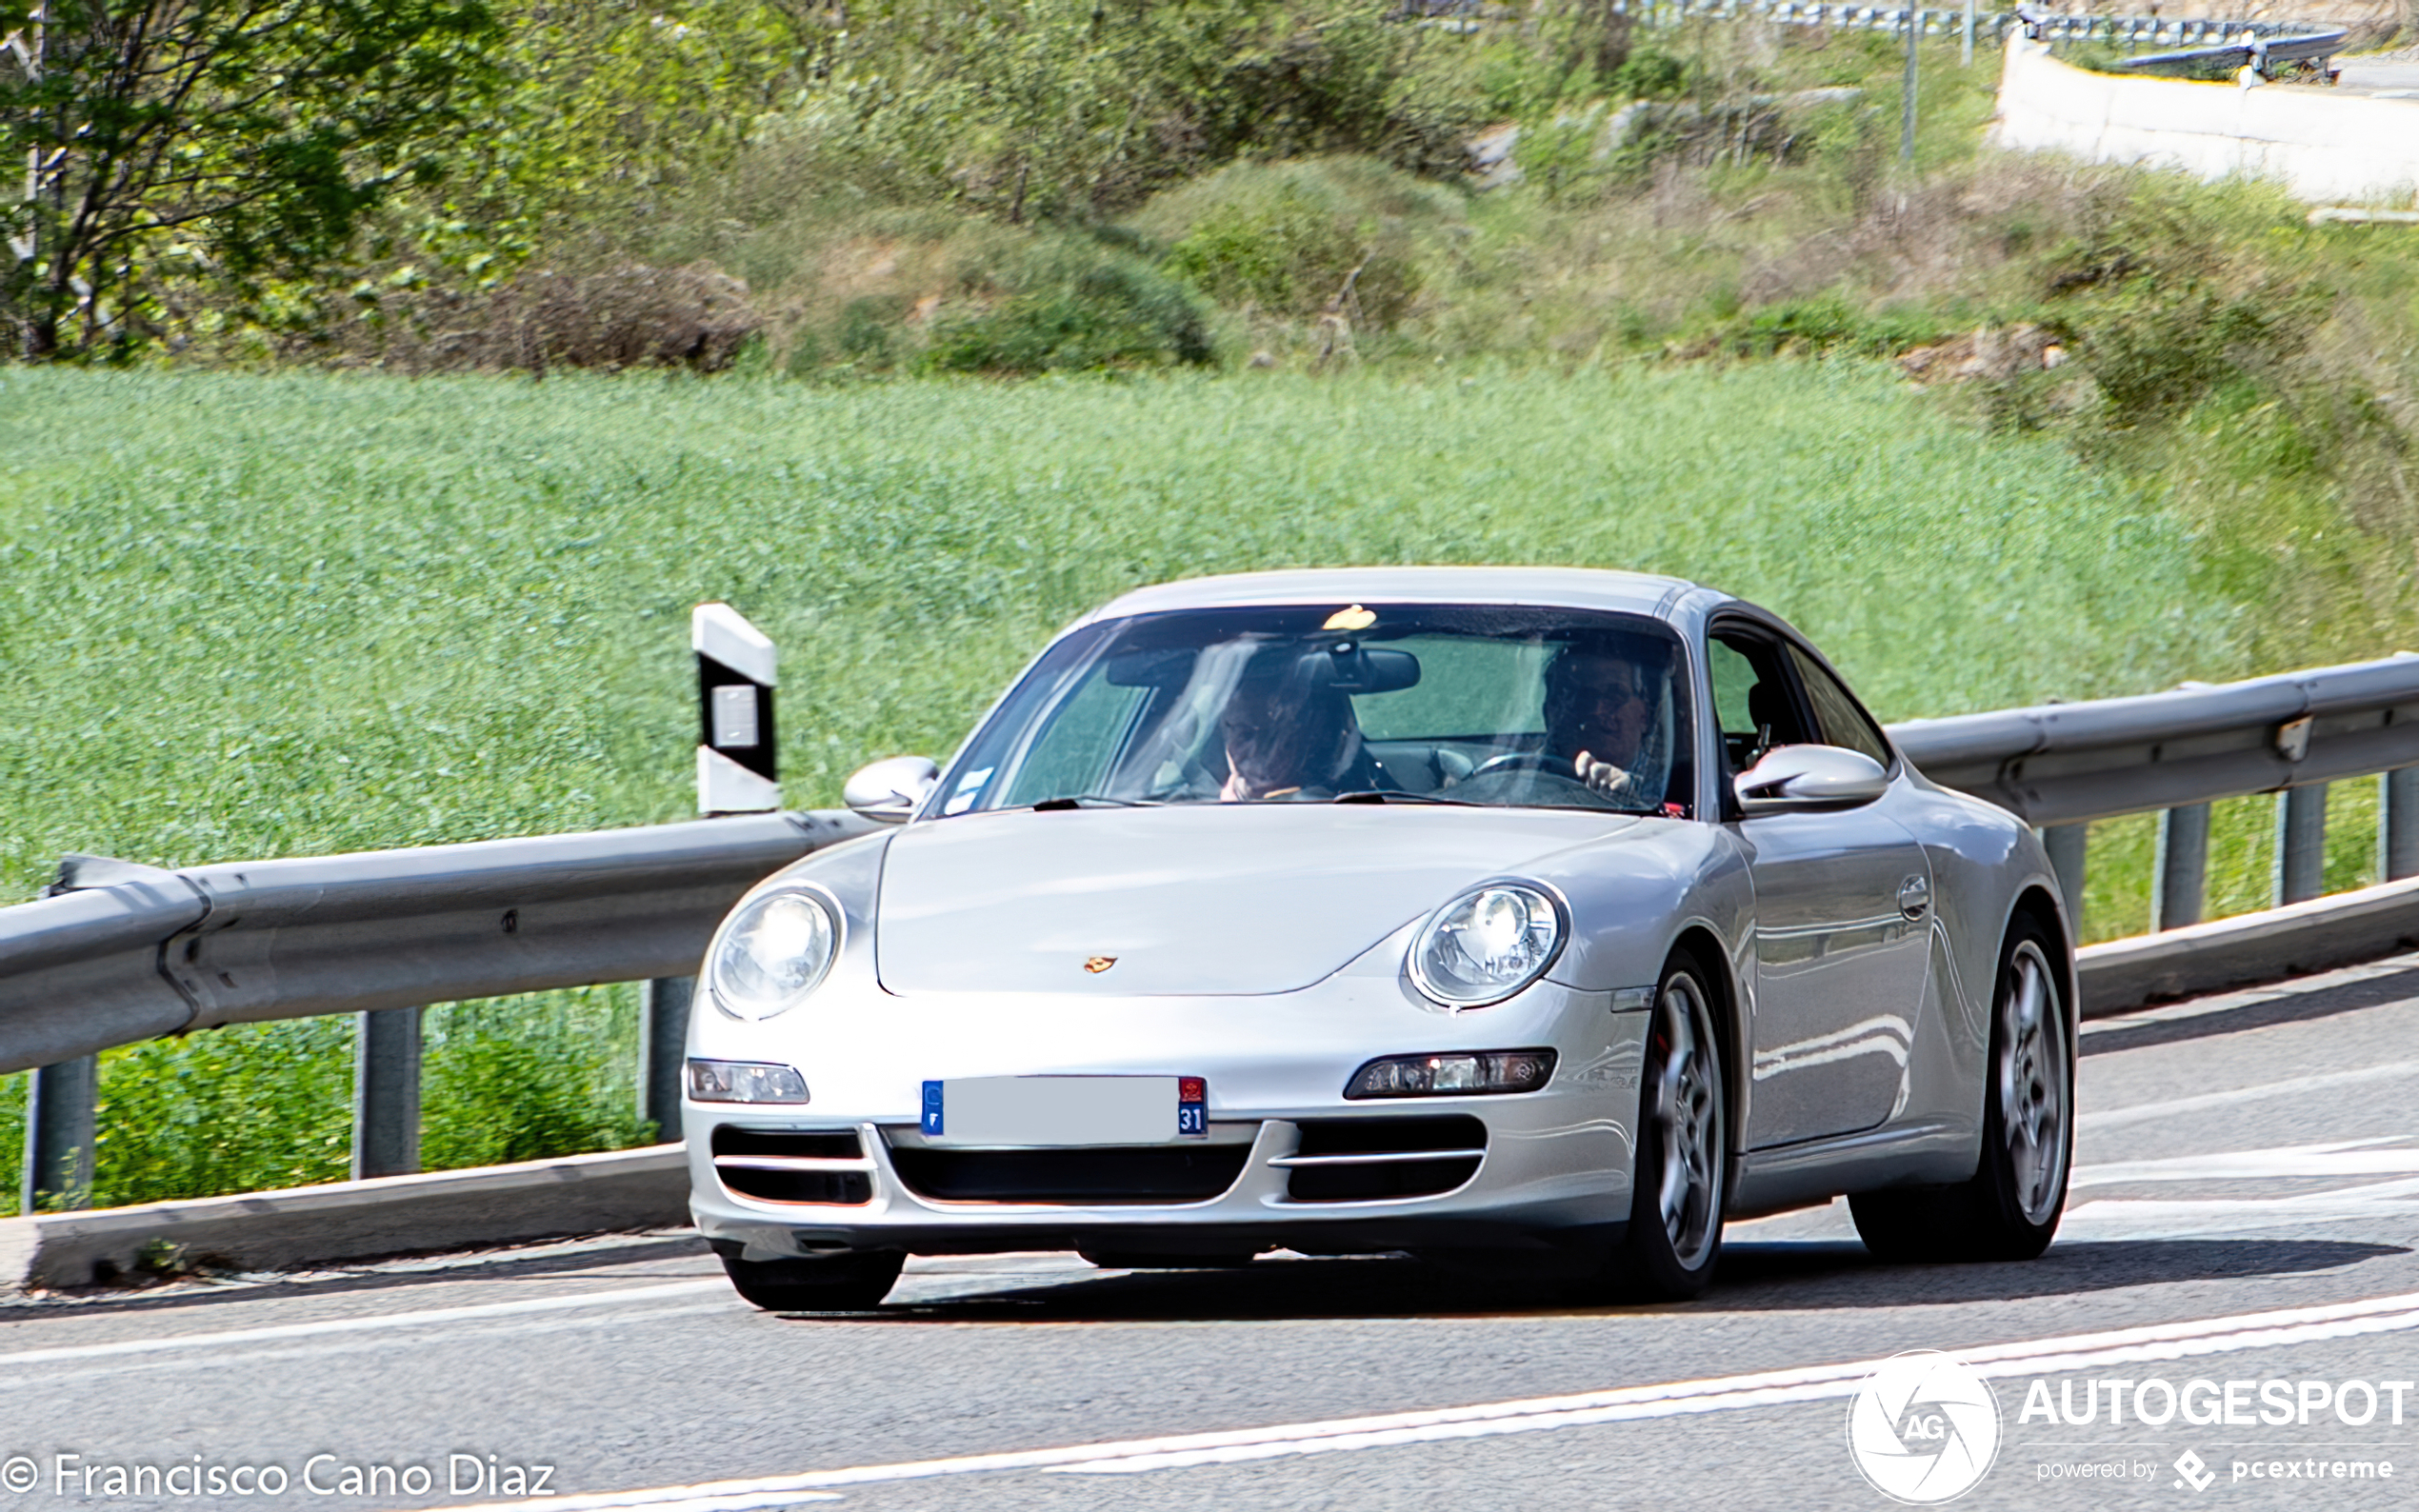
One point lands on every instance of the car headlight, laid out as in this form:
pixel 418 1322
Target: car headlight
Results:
pixel 773 952
pixel 1486 945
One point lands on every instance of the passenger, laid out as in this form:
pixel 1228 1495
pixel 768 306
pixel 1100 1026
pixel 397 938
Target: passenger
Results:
pixel 1289 734
pixel 1603 717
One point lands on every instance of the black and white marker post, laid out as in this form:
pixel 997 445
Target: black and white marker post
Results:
pixel 735 770
pixel 736 774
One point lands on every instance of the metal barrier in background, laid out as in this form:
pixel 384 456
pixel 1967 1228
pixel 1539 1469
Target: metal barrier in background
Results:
pixel 2062 766
pixel 120 953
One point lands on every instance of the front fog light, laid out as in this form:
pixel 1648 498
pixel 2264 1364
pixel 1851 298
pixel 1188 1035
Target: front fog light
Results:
pixel 744 1082
pixel 1484 1071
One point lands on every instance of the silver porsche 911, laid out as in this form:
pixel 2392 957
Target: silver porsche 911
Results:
pixel 1512 917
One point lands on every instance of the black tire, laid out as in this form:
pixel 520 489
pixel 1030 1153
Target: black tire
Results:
pixel 851 1282
pixel 1682 1173
pixel 2008 1209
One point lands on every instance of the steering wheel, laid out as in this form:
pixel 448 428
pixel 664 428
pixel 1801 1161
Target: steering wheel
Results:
pixel 1523 760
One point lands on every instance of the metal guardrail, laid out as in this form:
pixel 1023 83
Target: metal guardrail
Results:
pixel 118 953
pixel 2261 53
pixel 1948 21
pixel 2062 766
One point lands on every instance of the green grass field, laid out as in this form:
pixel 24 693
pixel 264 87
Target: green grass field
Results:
pixel 252 616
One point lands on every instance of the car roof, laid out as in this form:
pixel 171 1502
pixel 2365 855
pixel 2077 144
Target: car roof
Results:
pixel 1557 587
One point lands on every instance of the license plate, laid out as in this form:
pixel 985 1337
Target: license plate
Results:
pixel 1049 1111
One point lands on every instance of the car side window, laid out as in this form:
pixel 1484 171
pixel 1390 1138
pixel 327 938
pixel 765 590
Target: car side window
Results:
pixel 1842 721
pixel 1751 698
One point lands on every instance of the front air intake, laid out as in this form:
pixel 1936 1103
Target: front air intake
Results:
pixel 1370 1159
pixel 1100 1176
pixel 825 1167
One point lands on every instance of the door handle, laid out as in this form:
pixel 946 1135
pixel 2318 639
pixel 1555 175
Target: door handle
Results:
pixel 1914 896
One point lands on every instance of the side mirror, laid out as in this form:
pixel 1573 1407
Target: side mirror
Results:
pixel 890 791
pixel 1792 779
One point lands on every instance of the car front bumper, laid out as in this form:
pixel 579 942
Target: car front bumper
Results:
pixel 1554 1167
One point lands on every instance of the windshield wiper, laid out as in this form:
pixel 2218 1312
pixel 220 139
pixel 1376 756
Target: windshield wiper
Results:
pixel 1389 795
pixel 1052 806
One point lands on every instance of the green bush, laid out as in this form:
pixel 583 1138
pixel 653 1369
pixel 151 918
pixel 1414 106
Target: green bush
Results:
pixel 2158 348
pixel 1827 322
pixel 1284 238
pixel 524 1079
pixel 12 1140
pixel 1072 314
pixel 1651 73
pixel 248 1107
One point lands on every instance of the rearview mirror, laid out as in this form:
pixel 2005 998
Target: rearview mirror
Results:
pixel 891 790
pixel 1792 779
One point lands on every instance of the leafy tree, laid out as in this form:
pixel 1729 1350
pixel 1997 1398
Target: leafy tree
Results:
pixel 177 144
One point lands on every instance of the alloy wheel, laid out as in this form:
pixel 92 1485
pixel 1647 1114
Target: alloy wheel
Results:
pixel 1689 1113
pixel 2032 1085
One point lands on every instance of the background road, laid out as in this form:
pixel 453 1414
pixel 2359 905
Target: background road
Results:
pixel 2248 1154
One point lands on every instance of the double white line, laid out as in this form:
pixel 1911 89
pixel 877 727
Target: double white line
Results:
pixel 2180 1341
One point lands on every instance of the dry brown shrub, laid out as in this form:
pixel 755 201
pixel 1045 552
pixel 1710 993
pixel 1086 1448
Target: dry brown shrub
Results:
pixel 695 317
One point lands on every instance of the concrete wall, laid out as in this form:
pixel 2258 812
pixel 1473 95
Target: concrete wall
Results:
pixel 2322 145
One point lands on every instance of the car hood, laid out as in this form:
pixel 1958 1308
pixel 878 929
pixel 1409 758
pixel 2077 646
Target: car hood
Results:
pixel 1189 899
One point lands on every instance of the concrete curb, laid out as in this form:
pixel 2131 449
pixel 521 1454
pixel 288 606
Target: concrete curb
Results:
pixel 304 1225
pixel 649 1188
pixel 2320 935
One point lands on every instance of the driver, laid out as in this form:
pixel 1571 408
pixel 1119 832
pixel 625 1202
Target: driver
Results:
pixel 1289 734
pixel 1602 718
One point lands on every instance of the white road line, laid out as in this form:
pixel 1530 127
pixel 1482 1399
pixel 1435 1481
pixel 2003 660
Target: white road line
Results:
pixel 51 1378
pixel 2177 1341
pixel 2147 1112
pixel 2367 1157
pixel 430 1318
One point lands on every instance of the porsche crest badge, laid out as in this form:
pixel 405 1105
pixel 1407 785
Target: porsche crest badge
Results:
pixel 1099 964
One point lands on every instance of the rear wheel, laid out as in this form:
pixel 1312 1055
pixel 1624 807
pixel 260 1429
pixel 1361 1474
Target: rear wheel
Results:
pixel 1682 1169
pixel 847 1283
pixel 2009 1209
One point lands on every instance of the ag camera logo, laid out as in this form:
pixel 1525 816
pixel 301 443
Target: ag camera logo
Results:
pixel 1923 1428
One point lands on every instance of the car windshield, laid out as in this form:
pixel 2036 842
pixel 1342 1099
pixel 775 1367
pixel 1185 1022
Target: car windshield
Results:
pixel 1512 707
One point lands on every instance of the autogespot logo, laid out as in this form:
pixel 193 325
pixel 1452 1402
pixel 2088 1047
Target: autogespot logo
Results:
pixel 1923 1428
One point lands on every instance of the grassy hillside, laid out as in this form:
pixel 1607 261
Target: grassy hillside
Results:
pixel 247 616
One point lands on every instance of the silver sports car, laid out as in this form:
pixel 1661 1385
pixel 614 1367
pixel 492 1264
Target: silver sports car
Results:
pixel 1512 917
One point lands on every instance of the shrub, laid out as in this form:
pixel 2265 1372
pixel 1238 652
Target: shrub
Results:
pixel 2158 350
pixel 1650 74
pixel 633 316
pixel 1115 312
pixel 1285 238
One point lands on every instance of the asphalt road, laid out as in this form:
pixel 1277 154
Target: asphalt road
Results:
pixel 2391 74
pixel 2246 1208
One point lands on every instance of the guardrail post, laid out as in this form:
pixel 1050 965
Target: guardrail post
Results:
pixel 59 1129
pixel 2180 889
pixel 2398 824
pixel 386 1094
pixel 2064 844
pixel 2301 844
pixel 663 1038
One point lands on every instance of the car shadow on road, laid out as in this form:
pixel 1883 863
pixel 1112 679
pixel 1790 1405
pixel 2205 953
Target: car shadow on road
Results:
pixel 1840 1274
pixel 2296 1007
pixel 1755 1276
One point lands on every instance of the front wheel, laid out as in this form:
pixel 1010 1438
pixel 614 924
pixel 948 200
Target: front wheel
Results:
pixel 847 1283
pixel 2009 1209
pixel 1682 1168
